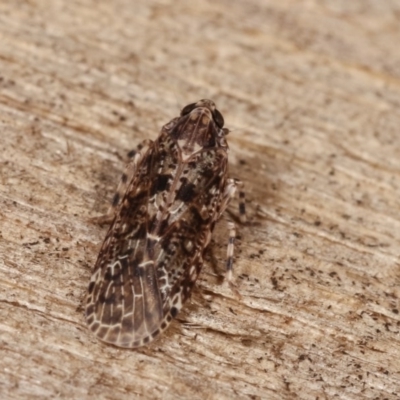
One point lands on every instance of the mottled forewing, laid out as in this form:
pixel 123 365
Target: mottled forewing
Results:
pixel 184 231
pixel 124 302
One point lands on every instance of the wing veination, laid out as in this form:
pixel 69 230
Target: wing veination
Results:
pixel 125 306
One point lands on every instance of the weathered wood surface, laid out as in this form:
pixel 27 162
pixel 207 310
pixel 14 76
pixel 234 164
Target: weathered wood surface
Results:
pixel 311 91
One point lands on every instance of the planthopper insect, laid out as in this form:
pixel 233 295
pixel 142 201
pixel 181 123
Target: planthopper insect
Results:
pixel 170 197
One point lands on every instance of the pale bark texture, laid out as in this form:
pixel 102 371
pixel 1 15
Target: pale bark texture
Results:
pixel 311 92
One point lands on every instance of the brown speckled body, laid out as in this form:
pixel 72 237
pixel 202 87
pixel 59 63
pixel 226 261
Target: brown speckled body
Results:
pixel 153 252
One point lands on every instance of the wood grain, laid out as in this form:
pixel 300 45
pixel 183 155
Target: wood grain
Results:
pixel 311 91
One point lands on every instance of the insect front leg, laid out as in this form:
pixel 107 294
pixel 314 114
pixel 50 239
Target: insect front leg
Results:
pixel 140 148
pixel 242 201
pixel 135 158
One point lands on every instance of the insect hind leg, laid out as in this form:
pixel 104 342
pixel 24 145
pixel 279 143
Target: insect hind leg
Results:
pixel 230 250
pixel 233 186
pixel 229 259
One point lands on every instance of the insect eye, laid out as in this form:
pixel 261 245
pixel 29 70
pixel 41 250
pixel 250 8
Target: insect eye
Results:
pixel 218 118
pixel 186 110
pixel 225 131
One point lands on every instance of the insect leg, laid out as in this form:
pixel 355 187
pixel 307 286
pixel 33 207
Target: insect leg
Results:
pixel 126 177
pixel 230 191
pixel 143 145
pixel 128 174
pixel 230 250
pixel 229 260
pixel 242 201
